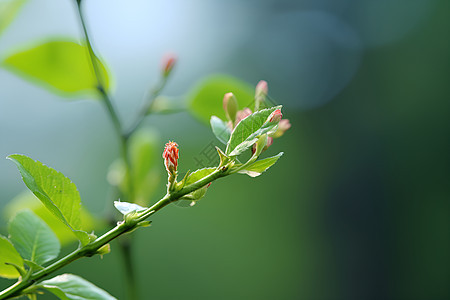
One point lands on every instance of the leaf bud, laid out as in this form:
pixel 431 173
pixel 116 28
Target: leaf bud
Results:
pixel 283 126
pixel 260 93
pixel 275 116
pixel 230 105
pixel 168 62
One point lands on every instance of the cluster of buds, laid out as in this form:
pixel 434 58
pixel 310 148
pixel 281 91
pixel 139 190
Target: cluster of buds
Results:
pixel 234 116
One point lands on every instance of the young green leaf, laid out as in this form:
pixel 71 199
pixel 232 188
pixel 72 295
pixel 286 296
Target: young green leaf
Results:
pixel 259 166
pixel 55 191
pixel 205 99
pixel 8 11
pixel 197 175
pixel 220 129
pixel 27 200
pixel 194 177
pixel 72 287
pixel 126 208
pixel 248 130
pixel 32 238
pixel 8 254
pixel 61 65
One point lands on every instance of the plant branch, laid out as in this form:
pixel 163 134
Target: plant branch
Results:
pixel 146 107
pixel 101 88
pixel 128 225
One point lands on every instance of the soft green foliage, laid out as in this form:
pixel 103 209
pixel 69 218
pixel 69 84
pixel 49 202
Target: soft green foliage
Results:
pixel 8 10
pixel 56 192
pixel 197 175
pixel 32 238
pixel 194 177
pixel 63 65
pixel 8 254
pixel 220 129
pixel 205 99
pixel 71 68
pixel 247 132
pixel 27 200
pixel 72 287
pixel 260 166
pixel 126 207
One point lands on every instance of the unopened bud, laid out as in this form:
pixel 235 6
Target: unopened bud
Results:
pixel 283 126
pixel 242 114
pixel 275 116
pixel 230 105
pixel 260 93
pixel 170 156
pixel 168 62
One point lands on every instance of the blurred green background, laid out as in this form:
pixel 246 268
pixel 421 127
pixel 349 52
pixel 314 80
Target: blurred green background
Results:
pixel 357 208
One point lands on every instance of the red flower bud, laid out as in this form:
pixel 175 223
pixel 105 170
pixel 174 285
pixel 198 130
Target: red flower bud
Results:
pixel 275 116
pixel 168 62
pixel 170 156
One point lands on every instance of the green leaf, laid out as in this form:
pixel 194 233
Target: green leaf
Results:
pixel 194 177
pixel 32 238
pixel 205 99
pixel 56 192
pixel 8 11
pixel 63 66
pixel 248 130
pixel 259 166
pixel 197 175
pixel 220 129
pixel 27 200
pixel 72 287
pixel 8 254
pixel 126 207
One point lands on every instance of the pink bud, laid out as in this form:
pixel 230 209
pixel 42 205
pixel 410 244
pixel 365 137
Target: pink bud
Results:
pixel 261 88
pixel 283 126
pixel 170 156
pixel 275 116
pixel 260 94
pixel 168 62
pixel 242 114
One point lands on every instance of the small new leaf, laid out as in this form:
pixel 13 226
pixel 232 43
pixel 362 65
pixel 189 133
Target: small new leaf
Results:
pixel 33 238
pixel 56 192
pixel 248 130
pixel 72 287
pixel 220 129
pixel 126 207
pixel 198 174
pixel 259 166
